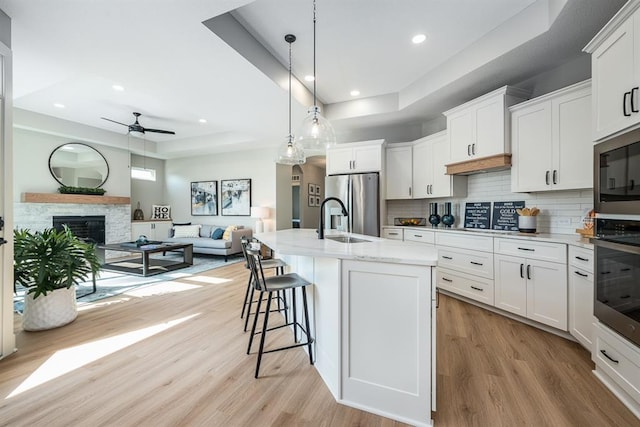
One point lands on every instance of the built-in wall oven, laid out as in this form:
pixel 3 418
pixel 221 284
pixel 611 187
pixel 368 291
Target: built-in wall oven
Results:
pixel 617 242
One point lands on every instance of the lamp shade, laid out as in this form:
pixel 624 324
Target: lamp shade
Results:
pixel 291 153
pixel 260 212
pixel 316 132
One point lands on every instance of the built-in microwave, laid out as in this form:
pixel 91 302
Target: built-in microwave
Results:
pixel 617 175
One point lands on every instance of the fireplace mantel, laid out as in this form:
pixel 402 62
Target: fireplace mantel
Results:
pixel 74 198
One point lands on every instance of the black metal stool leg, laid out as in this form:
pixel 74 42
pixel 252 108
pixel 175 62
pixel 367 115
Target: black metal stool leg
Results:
pixel 306 321
pixel 295 315
pixel 264 334
pixel 255 322
pixel 249 303
pixel 246 296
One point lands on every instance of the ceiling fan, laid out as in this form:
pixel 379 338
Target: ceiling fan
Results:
pixel 137 127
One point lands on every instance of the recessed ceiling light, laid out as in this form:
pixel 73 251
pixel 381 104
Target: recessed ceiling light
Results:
pixel 309 78
pixel 58 105
pixel 118 88
pixel 355 92
pixel 203 120
pixel 418 38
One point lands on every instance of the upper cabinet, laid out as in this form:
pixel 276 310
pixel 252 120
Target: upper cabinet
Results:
pixel 480 128
pixel 417 170
pixel 615 69
pixel 355 157
pixel 552 147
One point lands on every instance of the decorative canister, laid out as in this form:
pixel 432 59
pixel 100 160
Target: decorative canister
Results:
pixel 434 218
pixel 138 214
pixel 448 219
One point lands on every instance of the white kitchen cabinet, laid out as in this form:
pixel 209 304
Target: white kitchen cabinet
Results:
pixel 154 230
pixel 355 157
pixel 399 171
pixel 419 235
pixel 393 233
pixel 480 128
pixel 467 285
pixel 581 318
pixel 530 286
pixel 430 157
pixel 615 69
pixel 552 147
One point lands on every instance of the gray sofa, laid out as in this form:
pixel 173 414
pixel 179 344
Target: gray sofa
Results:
pixel 206 245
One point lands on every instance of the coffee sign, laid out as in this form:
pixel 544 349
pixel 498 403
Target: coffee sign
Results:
pixel 505 216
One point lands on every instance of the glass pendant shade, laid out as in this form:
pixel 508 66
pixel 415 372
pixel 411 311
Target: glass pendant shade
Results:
pixel 316 132
pixel 291 153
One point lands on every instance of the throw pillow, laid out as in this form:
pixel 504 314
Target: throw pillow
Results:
pixel 227 232
pixel 160 212
pixel 186 231
pixel 173 224
pixel 217 233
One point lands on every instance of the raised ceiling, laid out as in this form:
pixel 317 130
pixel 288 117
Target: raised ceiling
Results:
pixel 176 70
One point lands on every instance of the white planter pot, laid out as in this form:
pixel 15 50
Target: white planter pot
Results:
pixel 49 311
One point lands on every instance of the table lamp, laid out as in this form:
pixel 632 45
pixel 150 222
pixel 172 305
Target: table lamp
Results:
pixel 259 213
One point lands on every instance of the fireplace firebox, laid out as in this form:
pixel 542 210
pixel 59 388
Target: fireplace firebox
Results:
pixel 90 228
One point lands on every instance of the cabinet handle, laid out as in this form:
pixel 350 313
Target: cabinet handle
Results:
pixel 632 184
pixel 417 235
pixel 469 150
pixel 409 190
pixel 526 249
pixel 604 353
pixel 624 104
pixel 447 280
pixel 522 271
pixel 581 274
pixel 529 271
pixel 430 188
pixel 633 108
pixel 555 176
pixel 546 177
pixel 392 234
pixel 582 259
pixel 437 298
pixel 473 148
pixel 477 289
pixel 476 263
pixel 446 257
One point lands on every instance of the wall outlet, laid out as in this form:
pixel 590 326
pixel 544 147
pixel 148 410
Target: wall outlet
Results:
pixel 563 221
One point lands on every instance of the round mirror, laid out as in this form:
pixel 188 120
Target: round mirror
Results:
pixel 78 165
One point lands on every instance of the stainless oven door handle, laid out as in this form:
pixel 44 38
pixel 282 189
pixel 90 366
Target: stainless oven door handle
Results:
pixel 616 246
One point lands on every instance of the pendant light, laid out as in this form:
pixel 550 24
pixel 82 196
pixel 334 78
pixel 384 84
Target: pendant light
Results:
pixel 315 132
pixel 291 153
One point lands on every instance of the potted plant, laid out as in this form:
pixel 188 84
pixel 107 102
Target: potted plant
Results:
pixel 49 264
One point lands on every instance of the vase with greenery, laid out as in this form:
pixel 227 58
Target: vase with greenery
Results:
pixel 49 264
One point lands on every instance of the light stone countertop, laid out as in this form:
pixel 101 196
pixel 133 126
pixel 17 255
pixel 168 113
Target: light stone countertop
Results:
pixel 569 239
pixel 305 242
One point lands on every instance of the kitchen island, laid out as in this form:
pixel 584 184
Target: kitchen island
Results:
pixel 373 318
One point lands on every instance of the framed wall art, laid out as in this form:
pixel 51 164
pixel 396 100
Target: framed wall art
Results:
pixel 312 200
pixel 236 197
pixel 204 198
pixel 312 189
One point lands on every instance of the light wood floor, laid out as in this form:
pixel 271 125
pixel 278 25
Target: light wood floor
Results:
pixel 177 358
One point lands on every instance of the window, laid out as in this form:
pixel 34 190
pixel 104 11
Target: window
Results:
pixel 144 174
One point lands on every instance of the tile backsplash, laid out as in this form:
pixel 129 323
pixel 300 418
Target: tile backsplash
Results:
pixel 560 211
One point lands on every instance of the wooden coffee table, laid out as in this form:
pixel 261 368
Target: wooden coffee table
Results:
pixel 144 265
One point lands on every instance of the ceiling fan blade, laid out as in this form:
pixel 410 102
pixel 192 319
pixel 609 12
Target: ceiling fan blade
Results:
pixel 169 132
pixel 109 120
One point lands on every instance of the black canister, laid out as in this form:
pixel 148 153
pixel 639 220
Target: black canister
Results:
pixel 448 219
pixel 434 218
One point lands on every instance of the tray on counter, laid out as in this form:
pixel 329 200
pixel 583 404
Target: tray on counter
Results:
pixel 410 221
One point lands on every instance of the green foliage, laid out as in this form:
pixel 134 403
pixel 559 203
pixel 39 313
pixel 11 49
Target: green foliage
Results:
pixel 81 190
pixel 47 260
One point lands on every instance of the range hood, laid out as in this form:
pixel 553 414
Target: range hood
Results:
pixel 484 164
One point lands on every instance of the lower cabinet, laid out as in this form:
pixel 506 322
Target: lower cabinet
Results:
pixel 154 230
pixel 532 288
pixel 476 288
pixel 581 318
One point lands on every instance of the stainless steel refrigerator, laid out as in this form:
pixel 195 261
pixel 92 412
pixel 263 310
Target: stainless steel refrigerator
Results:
pixel 360 194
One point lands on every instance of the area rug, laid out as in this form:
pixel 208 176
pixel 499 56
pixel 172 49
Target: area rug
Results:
pixel 111 283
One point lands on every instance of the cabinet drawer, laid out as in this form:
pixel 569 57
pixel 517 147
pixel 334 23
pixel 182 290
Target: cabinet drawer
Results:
pixel 466 261
pixel 459 240
pixel 618 359
pixel 392 233
pixel 476 288
pixel 554 252
pixel 423 236
pixel 581 258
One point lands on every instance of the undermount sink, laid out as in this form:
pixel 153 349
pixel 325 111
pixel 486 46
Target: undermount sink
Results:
pixel 346 239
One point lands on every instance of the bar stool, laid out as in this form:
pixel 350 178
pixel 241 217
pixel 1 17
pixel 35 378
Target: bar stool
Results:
pixel 268 287
pixel 278 265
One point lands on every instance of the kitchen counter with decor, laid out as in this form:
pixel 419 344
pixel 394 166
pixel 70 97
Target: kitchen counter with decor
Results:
pixel 368 292
pixel 569 239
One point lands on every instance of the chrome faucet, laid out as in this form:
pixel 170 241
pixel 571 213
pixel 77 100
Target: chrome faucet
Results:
pixel 321 227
